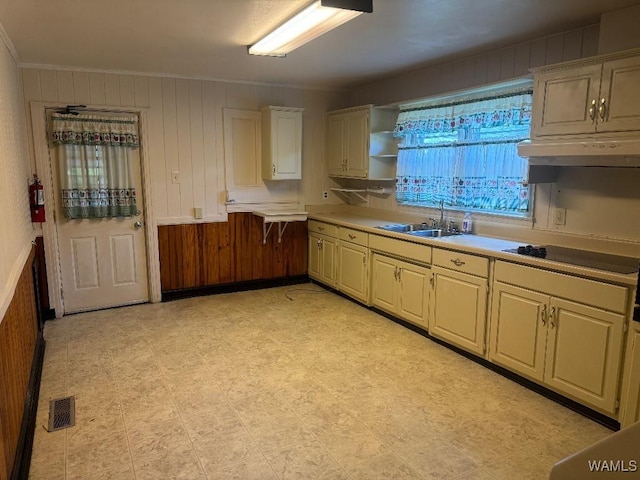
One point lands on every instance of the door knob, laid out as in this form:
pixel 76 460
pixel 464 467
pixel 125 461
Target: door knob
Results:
pixel 137 225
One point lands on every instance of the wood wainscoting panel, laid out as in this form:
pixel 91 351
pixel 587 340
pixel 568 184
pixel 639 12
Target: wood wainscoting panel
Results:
pixel 207 254
pixel 18 336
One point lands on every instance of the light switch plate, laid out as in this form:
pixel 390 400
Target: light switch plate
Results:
pixel 197 212
pixel 175 177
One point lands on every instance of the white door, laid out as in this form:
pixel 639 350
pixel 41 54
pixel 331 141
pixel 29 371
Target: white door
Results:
pixel 102 261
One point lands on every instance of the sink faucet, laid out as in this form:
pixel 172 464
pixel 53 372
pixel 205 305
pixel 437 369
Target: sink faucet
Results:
pixel 441 214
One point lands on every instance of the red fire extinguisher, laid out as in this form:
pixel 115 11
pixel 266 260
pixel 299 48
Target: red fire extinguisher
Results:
pixel 36 200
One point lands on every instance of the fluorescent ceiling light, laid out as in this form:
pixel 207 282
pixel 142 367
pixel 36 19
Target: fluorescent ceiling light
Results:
pixel 311 22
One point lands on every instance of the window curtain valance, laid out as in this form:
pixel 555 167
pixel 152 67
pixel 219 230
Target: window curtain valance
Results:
pixel 94 130
pixel 95 164
pixel 499 111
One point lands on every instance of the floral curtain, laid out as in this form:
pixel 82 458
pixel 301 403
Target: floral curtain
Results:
pixel 465 154
pixel 94 155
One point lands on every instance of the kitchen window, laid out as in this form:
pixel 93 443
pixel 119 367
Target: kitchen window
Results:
pixel 463 151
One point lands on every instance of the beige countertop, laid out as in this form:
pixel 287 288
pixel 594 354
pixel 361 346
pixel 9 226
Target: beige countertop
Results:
pixel 476 244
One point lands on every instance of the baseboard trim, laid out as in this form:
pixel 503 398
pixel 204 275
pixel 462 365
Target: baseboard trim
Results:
pixel 171 295
pixel 22 459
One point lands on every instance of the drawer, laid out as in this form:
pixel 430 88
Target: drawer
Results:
pixel 461 262
pixel 324 228
pixel 409 250
pixel 590 292
pixel 353 236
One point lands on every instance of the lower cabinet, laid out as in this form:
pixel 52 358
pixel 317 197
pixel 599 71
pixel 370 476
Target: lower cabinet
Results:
pixel 353 271
pixel 573 348
pixel 400 288
pixel 631 388
pixel 322 258
pixel 458 308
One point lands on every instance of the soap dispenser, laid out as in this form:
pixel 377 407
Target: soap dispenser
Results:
pixel 466 223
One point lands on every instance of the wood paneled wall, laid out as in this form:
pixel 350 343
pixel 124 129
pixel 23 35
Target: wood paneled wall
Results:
pixel 18 335
pixel 206 254
pixel 480 69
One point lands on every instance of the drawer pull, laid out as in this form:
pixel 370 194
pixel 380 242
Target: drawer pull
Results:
pixel 321 228
pixel 352 236
pixel 552 317
pixel 543 315
pixel 457 262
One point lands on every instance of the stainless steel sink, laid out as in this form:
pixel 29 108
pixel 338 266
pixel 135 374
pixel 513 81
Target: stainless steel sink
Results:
pixel 417 230
pixel 434 233
pixel 404 227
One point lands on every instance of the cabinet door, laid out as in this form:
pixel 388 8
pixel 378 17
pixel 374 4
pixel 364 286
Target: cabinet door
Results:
pixel 584 347
pixel 562 101
pixel 458 309
pixel 328 259
pixel 384 283
pixel 315 257
pixel 336 148
pixel 631 391
pixel 352 270
pixel 357 144
pixel 518 329
pixel 620 80
pixel 286 145
pixel 414 293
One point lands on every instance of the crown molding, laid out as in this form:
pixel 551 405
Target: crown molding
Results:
pixel 9 44
pixel 176 76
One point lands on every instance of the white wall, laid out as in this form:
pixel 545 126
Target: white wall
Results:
pixel 473 71
pixel 619 30
pixel 186 133
pixel 16 232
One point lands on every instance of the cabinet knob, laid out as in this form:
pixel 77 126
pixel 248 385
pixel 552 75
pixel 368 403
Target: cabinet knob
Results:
pixel 592 110
pixel 602 110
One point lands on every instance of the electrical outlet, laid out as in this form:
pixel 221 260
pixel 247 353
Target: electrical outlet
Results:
pixel 325 194
pixel 175 177
pixel 559 216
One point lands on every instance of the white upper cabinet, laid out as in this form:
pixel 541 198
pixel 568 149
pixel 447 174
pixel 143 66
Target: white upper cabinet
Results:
pixel 281 143
pixel 587 97
pixel 360 143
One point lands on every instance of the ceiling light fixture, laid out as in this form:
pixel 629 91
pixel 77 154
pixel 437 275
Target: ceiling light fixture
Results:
pixel 311 22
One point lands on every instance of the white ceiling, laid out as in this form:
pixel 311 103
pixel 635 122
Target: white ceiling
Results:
pixel 208 38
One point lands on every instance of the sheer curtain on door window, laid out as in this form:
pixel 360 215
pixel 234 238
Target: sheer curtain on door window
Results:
pixel 94 155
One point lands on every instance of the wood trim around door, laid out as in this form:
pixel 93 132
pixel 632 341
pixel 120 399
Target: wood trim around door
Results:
pixel 43 168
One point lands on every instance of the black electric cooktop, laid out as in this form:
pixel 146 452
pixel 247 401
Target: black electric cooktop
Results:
pixel 581 258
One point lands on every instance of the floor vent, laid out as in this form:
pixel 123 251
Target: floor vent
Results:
pixel 62 413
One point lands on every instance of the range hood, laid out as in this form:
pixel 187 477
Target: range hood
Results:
pixel 583 152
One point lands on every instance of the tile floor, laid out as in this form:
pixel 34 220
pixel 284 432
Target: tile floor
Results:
pixel 284 383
